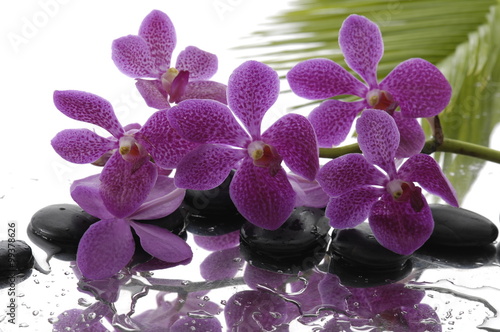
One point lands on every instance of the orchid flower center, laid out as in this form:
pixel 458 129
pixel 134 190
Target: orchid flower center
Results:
pixel 175 82
pixel 130 149
pixel 265 155
pixel 381 100
pixel 403 191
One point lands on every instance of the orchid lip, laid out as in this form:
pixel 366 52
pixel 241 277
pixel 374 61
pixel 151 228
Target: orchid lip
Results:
pixel 265 155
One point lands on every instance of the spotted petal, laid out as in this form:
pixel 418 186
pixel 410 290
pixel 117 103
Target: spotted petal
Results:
pixel 252 89
pixel 81 146
pixel 161 243
pixel 201 65
pixel 323 78
pixel 205 90
pixel 105 248
pixel 419 87
pixel 132 56
pixel 398 227
pixel 207 121
pixel 332 120
pixel 294 139
pixel 159 33
pixel 412 137
pixel 90 108
pixel 361 43
pixel 264 200
pixel 153 93
pixel 124 187
pixel 378 138
pixel 425 170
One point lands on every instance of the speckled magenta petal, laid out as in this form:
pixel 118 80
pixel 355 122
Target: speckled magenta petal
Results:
pixel 222 263
pixel 348 172
pixel 361 43
pixel 200 64
pixel 378 138
pixel 207 166
pixel 153 93
pixel 323 78
pixel 85 192
pixel 88 107
pixel 161 243
pixel 159 33
pixel 309 193
pixel 419 87
pixel 205 90
pixel 218 242
pixel 264 200
pixel 81 146
pixel 397 227
pixel 252 89
pixel 125 186
pixel 105 248
pixel 412 137
pixel 207 121
pixel 295 140
pixel 425 170
pixel 132 56
pixel 332 120
pixel 353 207
pixel 162 142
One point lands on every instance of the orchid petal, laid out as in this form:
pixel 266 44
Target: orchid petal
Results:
pixel 309 193
pixel 425 170
pixel 361 43
pixel 252 89
pixel 222 264
pixel 161 243
pixel 81 146
pixel 264 200
pixel 398 227
pixel 419 87
pixel 162 142
pixel 124 188
pixel 162 200
pixel 332 120
pixel 207 166
pixel 153 93
pixel 323 78
pixel 412 137
pixel 132 56
pixel 205 90
pixel 105 248
pixel 348 172
pixel 378 138
pixel 159 33
pixel 207 121
pixel 86 193
pixel 201 65
pixel 90 108
pixel 353 207
pixel 188 323
pixel 294 138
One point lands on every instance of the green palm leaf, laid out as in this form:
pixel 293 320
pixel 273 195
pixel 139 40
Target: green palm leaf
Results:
pixel 460 36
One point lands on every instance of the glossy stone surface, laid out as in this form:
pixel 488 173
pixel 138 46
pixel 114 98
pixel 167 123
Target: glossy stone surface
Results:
pixel 296 246
pixel 61 224
pixel 15 258
pixel 457 227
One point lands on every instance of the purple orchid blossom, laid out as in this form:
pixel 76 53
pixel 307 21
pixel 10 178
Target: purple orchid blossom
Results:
pixel 108 245
pixel 260 188
pixel 415 85
pixel 147 57
pixel 129 150
pixel 396 209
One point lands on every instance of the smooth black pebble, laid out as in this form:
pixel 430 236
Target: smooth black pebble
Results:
pixel 457 227
pixel 62 225
pixel 15 258
pixel 298 245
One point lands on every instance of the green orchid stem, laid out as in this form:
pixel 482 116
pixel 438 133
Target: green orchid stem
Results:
pixel 431 146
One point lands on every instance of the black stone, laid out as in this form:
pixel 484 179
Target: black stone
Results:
pixel 298 245
pixel 458 257
pixel 211 212
pixel 15 258
pixel 457 227
pixel 61 225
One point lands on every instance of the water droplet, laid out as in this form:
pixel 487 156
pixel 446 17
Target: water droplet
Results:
pixel 35 312
pixel 236 302
pixel 184 282
pixel 91 315
pixel 223 302
pixel 206 298
pixel 237 259
pixel 53 320
pixel 83 302
pixel 36 281
pixel 23 325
